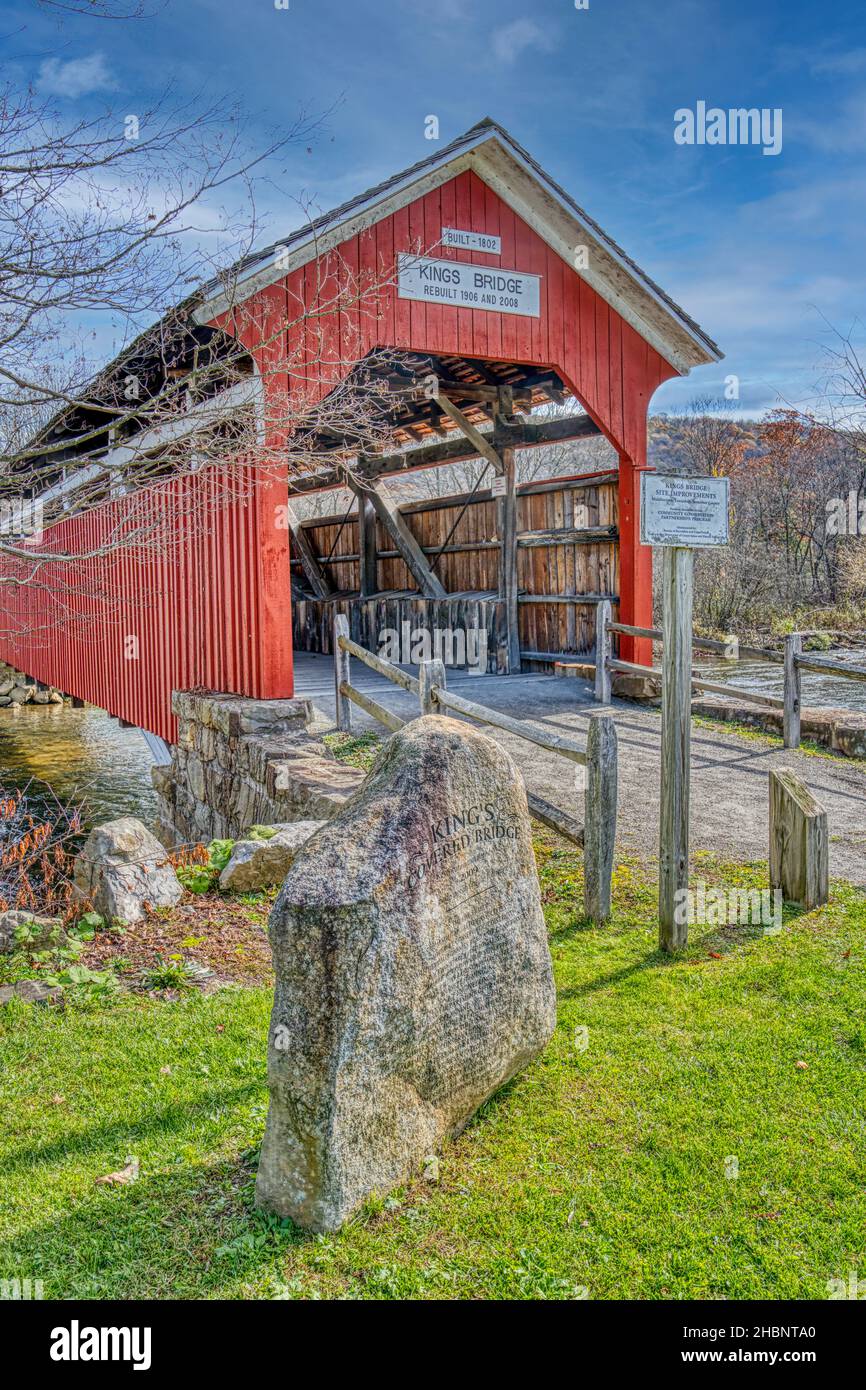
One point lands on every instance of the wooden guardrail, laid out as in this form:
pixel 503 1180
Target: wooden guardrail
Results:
pixel 596 835
pixel 793 661
pixel 795 664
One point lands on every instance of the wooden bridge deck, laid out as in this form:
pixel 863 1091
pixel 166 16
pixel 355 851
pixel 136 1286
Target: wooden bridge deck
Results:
pixel 314 680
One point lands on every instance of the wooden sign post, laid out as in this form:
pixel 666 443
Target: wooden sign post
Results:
pixel 676 744
pixel 679 514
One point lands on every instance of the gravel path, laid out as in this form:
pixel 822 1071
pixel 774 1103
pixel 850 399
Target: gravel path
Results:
pixel 729 800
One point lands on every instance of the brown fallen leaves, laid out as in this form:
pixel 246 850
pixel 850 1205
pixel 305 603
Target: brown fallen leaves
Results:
pixel 230 939
pixel 122 1175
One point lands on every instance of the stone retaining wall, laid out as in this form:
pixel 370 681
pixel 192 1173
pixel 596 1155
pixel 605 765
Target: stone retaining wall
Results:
pixel 240 762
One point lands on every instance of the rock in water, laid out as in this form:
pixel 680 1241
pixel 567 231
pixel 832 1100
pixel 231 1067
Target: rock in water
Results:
pixel 413 975
pixel 122 867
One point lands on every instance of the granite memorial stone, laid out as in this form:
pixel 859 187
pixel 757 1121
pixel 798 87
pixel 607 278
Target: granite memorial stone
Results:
pixel 413 975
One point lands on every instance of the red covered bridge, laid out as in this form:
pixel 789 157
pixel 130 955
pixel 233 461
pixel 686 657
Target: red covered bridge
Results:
pixel 499 296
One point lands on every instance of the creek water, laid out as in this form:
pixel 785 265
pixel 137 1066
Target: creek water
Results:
pixel 765 676
pixel 81 756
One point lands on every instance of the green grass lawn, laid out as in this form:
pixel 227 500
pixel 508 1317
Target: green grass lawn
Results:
pixel 605 1168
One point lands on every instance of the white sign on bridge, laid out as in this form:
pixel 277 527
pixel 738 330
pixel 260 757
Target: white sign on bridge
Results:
pixel 460 286
pixel 472 241
pixel 683 511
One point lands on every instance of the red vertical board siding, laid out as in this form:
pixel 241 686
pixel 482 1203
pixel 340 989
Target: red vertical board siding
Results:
pixel 602 360
pixel 385 270
pixel 448 203
pixel 588 345
pixel 196 609
pixel 477 219
pixel 491 225
pixel 614 358
pixel 508 260
pixel 417 310
pixel 214 608
pixel 554 305
pixel 523 326
pixel 351 341
pixel 402 315
pixel 431 221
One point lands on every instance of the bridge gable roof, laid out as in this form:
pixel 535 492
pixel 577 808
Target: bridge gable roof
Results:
pixel 520 181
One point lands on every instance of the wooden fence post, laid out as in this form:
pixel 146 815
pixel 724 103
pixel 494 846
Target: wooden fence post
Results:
pixel 599 820
pixel 430 674
pixel 602 651
pixel 793 691
pixel 799 842
pixel 342 673
pixel 676 744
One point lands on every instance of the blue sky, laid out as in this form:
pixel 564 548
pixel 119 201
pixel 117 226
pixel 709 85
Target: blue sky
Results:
pixel 763 250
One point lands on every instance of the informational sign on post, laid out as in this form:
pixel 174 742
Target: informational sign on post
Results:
pixel 676 510
pixel 680 514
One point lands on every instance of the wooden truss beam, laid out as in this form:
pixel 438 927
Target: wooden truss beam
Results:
pixel 522 434
pixel 410 551
pixel 569 535
pixel 479 441
pixel 508 587
pixel 566 536
pixel 469 392
pixel 316 576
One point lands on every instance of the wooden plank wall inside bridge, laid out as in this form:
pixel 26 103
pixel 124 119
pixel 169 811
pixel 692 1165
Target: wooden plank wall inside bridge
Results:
pixel 571 568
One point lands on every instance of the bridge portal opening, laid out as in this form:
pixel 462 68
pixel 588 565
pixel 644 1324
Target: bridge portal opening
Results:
pixel 492 526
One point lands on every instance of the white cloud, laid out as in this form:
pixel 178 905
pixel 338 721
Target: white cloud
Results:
pixel 765 281
pixel 853 60
pixel 840 129
pixel 77 78
pixel 510 42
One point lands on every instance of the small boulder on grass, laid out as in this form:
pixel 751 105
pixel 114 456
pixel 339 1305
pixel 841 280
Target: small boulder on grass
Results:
pixel 122 867
pixel 263 862
pixel 31 992
pixel 21 928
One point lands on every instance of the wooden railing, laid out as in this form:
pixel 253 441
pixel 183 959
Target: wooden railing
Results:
pixel 598 756
pixel 792 660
